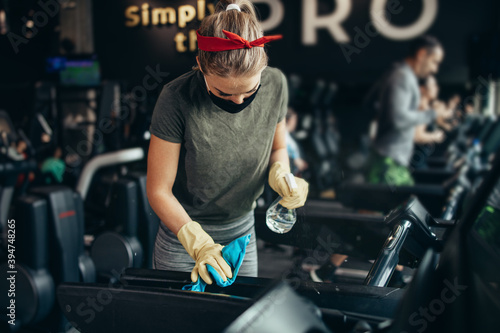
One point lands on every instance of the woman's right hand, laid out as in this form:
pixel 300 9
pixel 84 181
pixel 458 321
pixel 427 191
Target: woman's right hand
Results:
pixel 163 160
pixel 204 251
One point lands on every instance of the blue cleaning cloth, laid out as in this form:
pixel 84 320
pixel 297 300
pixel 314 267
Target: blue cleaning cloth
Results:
pixel 233 253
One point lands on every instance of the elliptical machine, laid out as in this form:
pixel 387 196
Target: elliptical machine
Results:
pixel 115 246
pixel 42 238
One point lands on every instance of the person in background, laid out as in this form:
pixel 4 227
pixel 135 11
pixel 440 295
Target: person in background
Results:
pixel 395 99
pixel 429 91
pixel 53 167
pixel 426 135
pixel 451 122
pixel 298 163
pixel 454 105
pixel 21 149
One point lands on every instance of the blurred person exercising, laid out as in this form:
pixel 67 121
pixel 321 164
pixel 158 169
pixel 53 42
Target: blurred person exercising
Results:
pixel 298 164
pixel 215 130
pixel 395 99
pixel 429 91
pixel 454 105
pixel 426 135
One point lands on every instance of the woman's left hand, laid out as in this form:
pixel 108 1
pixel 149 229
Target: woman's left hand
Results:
pixel 291 198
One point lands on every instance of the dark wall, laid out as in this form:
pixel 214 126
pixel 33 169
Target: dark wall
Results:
pixel 133 53
pixel 125 52
pixel 23 49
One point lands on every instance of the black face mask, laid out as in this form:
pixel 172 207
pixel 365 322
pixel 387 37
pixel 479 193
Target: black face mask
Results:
pixel 230 106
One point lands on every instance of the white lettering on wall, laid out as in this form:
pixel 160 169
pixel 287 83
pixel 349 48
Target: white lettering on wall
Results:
pixel 277 15
pixel 384 26
pixel 332 22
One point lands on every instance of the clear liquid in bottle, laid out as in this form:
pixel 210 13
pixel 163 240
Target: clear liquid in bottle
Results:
pixel 280 219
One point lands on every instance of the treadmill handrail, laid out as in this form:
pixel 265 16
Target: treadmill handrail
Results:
pixel 105 160
pixel 382 269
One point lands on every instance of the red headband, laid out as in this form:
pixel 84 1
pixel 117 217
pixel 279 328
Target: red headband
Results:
pixel 235 42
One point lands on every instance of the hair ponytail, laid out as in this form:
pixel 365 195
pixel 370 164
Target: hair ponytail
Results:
pixel 246 6
pixel 243 62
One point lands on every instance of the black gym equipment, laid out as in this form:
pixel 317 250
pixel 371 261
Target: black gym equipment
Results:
pixel 94 123
pixel 279 310
pixel 155 284
pixel 148 221
pixel 433 185
pixel 330 228
pixel 434 196
pixel 64 243
pixel 468 267
pixel 152 300
pixel 50 222
pixel 382 198
pixel 48 218
pixel 463 141
pixel 43 236
pixel 334 228
pixel 27 279
pixel 362 235
pixel 454 291
pixel 411 230
pixel 322 142
pixel 116 245
pixel 24 269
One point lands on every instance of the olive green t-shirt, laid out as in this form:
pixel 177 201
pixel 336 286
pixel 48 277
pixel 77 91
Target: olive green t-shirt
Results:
pixel 224 157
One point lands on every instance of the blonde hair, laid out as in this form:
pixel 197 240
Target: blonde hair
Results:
pixel 243 62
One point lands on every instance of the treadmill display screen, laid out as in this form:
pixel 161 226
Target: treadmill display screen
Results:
pixel 81 71
pixel 487 226
pixel 485 243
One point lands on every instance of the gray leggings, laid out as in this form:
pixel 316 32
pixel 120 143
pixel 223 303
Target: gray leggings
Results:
pixel 169 254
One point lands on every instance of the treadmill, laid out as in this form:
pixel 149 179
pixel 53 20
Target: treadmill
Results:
pixel 447 256
pixel 458 284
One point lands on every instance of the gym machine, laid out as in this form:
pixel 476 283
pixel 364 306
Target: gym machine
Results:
pixel 465 271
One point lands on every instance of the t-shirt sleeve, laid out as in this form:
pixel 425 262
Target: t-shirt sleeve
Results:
pixel 167 122
pixel 284 98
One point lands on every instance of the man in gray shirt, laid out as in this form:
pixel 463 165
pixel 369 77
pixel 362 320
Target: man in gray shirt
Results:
pixel 394 100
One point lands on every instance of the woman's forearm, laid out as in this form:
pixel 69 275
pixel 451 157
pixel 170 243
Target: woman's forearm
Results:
pixel 279 152
pixel 163 159
pixel 169 210
pixel 279 155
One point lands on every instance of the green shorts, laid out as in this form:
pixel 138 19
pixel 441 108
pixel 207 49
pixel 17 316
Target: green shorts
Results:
pixel 384 170
pixel 487 226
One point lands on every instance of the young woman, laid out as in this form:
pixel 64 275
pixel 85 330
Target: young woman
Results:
pixel 215 131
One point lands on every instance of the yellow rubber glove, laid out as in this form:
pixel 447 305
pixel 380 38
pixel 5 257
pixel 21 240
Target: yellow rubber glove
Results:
pixel 291 199
pixel 204 251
